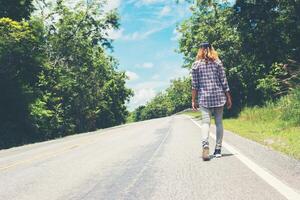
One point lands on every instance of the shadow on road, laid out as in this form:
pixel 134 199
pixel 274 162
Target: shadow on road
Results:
pixel 227 154
pixel 223 155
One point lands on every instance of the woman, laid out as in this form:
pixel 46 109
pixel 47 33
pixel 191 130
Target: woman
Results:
pixel 210 85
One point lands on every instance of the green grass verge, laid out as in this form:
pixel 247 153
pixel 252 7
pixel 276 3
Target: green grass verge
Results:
pixel 264 125
pixel 193 114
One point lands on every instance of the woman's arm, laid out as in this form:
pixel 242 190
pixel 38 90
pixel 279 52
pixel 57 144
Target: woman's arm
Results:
pixel 222 76
pixel 194 96
pixel 224 82
pixel 195 86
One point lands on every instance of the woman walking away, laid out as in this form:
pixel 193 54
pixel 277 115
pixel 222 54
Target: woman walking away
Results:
pixel 209 84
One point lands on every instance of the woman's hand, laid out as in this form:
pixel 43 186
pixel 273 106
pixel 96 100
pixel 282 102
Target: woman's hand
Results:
pixel 194 106
pixel 228 101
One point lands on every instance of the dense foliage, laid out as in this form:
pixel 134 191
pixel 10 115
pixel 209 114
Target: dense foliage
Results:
pixel 20 64
pixel 56 75
pixel 16 9
pixel 290 108
pixel 176 98
pixel 258 42
pixel 253 42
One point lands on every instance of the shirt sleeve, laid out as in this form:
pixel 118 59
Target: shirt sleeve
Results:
pixel 222 76
pixel 195 77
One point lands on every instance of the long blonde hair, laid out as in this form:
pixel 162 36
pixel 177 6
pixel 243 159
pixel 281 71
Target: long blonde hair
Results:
pixel 207 54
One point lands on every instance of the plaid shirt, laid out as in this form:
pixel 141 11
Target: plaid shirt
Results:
pixel 210 82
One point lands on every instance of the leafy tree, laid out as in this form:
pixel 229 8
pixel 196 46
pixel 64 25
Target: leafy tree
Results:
pixel 57 77
pixel 268 35
pixel 267 25
pixel 253 42
pixel 176 98
pixel 81 85
pixel 179 95
pixel 16 9
pixel 20 63
pixel 137 113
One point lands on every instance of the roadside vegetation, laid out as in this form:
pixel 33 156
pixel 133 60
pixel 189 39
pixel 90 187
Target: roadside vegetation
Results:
pixel 56 74
pixel 176 98
pixel 276 125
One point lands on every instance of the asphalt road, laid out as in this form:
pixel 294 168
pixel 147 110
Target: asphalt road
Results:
pixel 156 159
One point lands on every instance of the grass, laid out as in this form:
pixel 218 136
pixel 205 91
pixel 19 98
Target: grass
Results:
pixel 265 125
pixel 193 114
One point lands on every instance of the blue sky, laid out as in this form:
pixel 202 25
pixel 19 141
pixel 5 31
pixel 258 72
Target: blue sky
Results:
pixel 145 45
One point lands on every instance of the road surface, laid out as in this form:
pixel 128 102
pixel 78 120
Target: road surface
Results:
pixel 155 159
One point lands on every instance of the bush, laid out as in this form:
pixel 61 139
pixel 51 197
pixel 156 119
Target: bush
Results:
pixel 290 107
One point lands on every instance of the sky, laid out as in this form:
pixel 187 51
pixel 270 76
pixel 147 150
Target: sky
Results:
pixel 145 45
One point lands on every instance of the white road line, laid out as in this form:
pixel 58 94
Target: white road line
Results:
pixel 282 188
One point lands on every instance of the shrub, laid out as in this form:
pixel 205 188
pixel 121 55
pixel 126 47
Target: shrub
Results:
pixel 290 106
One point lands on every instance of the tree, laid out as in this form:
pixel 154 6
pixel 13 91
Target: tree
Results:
pixel 20 63
pixel 268 35
pixel 177 97
pixel 57 77
pixel 253 42
pixel 267 25
pixel 81 85
pixel 16 9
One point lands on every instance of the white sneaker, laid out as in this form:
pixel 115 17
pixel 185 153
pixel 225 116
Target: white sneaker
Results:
pixel 217 153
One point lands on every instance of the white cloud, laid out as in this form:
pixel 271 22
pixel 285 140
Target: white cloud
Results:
pixel 119 34
pixel 144 92
pixel 132 75
pixel 145 2
pixel 152 84
pixel 142 35
pixel 145 35
pixel 140 3
pixel 141 96
pixel 165 11
pixel 115 34
pixel 172 70
pixel 147 65
pixel 134 36
pixel 150 1
pixel 155 76
pixel 179 73
pixel 176 35
pixel 112 4
pixel 155 23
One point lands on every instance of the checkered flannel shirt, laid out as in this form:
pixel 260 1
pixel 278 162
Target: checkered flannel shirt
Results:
pixel 209 79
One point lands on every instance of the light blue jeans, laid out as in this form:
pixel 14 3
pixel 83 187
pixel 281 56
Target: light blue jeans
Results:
pixel 206 118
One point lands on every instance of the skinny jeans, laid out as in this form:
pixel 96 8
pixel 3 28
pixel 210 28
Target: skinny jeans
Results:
pixel 207 114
